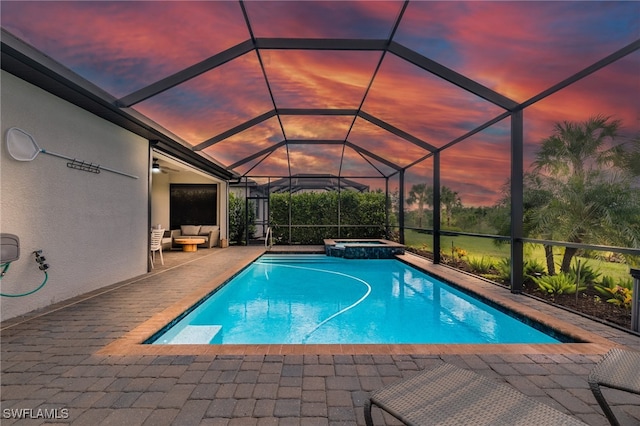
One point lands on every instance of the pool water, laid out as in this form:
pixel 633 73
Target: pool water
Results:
pixel 358 243
pixel 305 299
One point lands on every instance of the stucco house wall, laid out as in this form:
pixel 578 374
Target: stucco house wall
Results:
pixel 92 228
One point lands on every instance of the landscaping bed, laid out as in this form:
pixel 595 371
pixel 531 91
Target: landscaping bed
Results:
pixel 589 302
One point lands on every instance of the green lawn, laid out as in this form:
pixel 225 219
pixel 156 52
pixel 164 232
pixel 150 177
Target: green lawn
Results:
pixel 478 247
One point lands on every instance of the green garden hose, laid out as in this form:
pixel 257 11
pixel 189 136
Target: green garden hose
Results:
pixel 5 267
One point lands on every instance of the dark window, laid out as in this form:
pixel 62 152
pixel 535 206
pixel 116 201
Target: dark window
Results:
pixel 193 204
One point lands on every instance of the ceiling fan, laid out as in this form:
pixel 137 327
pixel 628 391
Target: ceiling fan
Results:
pixel 164 168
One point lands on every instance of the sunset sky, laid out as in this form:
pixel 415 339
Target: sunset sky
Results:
pixel 517 49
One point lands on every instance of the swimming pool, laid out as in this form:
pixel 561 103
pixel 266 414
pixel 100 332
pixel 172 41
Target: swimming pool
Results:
pixel 293 299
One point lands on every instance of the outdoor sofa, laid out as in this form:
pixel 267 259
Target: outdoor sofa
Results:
pixel 210 234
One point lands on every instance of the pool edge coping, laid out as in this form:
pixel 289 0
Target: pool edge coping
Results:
pixel 132 343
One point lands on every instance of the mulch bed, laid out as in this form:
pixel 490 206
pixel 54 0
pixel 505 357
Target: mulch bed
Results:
pixel 589 303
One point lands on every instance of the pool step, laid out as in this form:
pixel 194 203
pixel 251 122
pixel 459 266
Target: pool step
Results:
pixel 196 334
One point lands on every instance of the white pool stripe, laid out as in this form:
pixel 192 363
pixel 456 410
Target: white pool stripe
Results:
pixel 340 312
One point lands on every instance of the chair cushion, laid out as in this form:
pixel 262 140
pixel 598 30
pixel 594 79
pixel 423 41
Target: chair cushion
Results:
pixel 190 229
pixel 205 230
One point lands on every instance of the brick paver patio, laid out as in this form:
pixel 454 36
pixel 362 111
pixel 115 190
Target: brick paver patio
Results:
pixel 54 364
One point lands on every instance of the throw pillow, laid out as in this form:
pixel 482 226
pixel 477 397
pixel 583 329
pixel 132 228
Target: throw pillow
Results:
pixel 204 230
pixel 190 229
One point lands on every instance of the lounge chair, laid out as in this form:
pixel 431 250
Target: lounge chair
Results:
pixel 448 395
pixel 619 369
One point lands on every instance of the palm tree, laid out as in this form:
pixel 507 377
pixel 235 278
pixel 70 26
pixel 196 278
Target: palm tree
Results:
pixel 420 194
pixel 449 200
pixel 589 179
pixel 538 218
pixel 631 161
pixel 535 220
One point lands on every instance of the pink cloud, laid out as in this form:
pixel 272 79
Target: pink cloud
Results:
pixel 323 19
pixel 424 105
pixel 517 48
pixel 315 159
pixel 123 46
pixel 246 143
pixel 354 165
pixel 477 169
pixel 213 102
pixel 316 126
pixel 319 79
pixel 275 165
pixel 385 144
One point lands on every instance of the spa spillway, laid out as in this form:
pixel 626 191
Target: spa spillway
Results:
pixel 362 248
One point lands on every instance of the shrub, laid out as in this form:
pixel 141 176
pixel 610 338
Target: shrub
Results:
pixel 609 283
pixel 562 283
pixel 238 219
pixel 620 296
pixel 483 265
pixel 460 252
pixel 618 293
pixel 321 208
pixel 626 283
pixel 504 269
pixel 533 269
pixel 604 286
pixel 587 274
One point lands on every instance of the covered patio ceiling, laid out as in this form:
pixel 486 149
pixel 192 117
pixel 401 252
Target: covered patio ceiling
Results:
pixel 288 88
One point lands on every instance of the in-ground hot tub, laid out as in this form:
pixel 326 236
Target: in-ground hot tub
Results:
pixel 362 248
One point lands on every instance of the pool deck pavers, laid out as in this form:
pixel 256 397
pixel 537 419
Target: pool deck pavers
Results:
pixel 81 360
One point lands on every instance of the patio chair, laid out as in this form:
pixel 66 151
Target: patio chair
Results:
pixel 618 369
pixel 156 245
pixel 448 395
